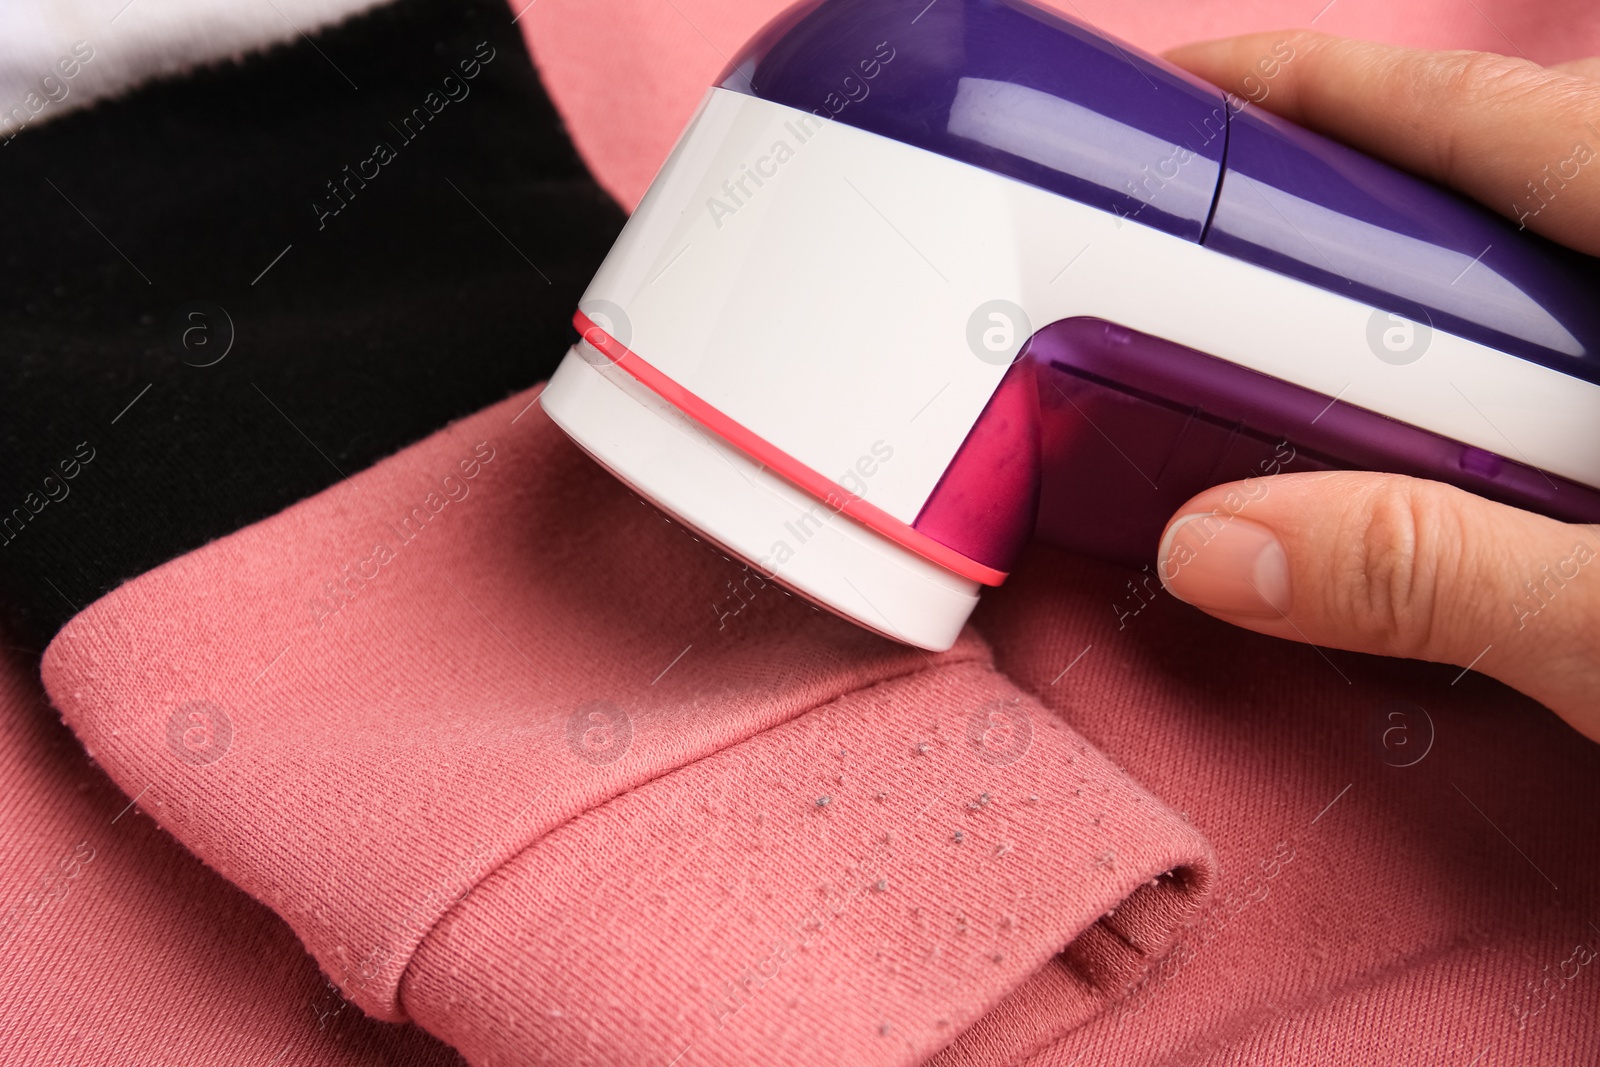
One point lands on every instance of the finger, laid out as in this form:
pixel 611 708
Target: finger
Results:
pixel 1583 68
pixel 1400 567
pixel 1485 124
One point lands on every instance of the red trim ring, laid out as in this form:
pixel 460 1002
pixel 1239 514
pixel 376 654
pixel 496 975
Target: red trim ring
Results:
pixel 786 466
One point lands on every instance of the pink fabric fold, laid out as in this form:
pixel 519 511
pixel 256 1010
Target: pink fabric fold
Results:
pixel 725 914
pixel 518 758
pixel 119 947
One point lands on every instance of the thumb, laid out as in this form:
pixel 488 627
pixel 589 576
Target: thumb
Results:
pixel 1400 567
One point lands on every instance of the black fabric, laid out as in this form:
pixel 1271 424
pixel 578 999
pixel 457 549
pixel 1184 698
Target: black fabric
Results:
pixel 444 284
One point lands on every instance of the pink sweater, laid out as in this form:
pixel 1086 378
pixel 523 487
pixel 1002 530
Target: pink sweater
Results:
pixel 494 741
pixel 518 761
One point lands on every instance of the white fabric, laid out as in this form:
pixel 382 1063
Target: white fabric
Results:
pixel 134 42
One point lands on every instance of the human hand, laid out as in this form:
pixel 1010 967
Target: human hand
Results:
pixel 1383 563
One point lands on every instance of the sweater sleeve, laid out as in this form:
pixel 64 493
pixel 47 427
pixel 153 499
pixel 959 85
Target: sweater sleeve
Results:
pixel 518 759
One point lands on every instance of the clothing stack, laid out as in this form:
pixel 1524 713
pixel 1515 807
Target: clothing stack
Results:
pixel 350 715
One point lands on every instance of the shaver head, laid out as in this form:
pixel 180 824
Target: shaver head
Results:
pixel 756 505
pixel 920 280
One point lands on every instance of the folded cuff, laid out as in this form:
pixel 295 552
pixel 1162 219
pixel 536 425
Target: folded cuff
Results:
pixel 934 862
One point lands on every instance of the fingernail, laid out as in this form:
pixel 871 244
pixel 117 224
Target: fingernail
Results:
pixel 1226 564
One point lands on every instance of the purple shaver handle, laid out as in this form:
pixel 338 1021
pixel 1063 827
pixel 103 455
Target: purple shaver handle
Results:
pixel 1114 453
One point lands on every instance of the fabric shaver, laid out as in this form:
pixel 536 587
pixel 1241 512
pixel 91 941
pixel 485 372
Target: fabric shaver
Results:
pixel 922 281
